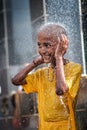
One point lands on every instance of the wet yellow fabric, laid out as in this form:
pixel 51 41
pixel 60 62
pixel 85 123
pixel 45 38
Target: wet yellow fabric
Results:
pixel 55 112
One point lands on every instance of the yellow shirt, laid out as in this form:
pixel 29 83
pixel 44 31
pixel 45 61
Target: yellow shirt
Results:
pixel 55 112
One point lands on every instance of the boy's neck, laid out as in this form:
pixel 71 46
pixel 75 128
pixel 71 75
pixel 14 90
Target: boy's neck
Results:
pixel 53 64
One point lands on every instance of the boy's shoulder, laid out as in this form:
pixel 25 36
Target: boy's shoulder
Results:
pixel 69 66
pixel 74 67
pixel 74 64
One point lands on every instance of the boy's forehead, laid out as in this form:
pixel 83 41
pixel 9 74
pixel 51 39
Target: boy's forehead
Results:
pixel 47 33
pixel 47 37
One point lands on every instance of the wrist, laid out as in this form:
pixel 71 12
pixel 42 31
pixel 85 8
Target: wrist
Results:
pixel 59 60
pixel 35 63
pixel 58 57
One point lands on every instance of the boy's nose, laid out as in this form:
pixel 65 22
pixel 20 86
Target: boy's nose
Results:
pixel 43 50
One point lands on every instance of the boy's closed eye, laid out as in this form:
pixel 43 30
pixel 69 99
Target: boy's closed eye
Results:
pixel 44 45
pixel 47 44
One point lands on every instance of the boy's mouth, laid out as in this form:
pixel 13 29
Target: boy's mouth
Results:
pixel 47 58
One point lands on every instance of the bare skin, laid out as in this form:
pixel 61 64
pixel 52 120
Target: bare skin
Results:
pixel 61 86
pixel 19 79
pixel 51 48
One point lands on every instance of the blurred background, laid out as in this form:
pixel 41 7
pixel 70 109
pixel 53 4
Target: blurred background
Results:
pixel 19 23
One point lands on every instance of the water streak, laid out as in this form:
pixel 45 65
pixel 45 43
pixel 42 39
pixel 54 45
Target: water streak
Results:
pixel 64 105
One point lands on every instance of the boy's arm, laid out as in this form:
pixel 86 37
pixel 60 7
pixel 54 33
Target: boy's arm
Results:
pixel 19 78
pixel 61 86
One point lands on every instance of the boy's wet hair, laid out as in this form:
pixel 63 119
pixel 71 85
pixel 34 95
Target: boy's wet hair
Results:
pixel 53 28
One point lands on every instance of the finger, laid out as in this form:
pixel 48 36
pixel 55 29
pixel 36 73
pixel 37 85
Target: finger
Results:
pixel 64 37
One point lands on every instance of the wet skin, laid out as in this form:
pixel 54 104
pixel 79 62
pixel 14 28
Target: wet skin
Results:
pixel 50 47
pixel 53 49
pixel 46 49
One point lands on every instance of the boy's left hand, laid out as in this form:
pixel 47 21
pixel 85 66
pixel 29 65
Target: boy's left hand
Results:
pixel 62 46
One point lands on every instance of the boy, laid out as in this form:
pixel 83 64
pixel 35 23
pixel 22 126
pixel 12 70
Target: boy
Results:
pixel 56 85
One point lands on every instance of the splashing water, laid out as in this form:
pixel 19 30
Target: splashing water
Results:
pixel 66 110
pixel 64 105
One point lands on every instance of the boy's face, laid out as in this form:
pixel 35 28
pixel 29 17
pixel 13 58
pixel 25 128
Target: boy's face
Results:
pixel 46 46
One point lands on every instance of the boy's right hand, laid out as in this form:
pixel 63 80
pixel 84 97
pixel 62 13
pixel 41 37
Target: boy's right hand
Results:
pixel 39 60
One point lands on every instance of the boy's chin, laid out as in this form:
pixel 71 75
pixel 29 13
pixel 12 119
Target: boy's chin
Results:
pixel 46 61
